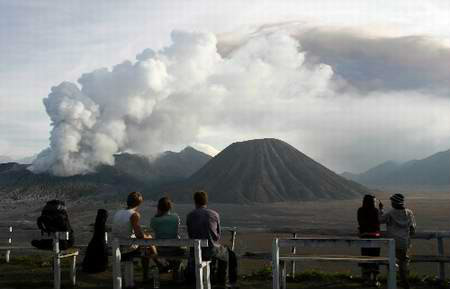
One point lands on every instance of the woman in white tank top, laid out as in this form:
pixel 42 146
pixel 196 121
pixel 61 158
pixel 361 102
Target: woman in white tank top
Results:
pixel 122 229
pixel 126 225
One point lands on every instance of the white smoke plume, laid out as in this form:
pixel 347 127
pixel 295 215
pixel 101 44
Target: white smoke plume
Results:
pixel 331 99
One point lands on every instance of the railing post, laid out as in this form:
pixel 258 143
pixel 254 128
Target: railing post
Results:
pixel 8 252
pixel 275 264
pixel 392 274
pixel 294 250
pixel 198 264
pixel 56 262
pixel 440 247
pixel 117 274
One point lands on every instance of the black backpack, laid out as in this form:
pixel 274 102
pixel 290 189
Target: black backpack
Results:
pixel 53 219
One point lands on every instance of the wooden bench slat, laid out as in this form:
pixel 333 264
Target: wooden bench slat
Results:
pixel 166 242
pixel 61 256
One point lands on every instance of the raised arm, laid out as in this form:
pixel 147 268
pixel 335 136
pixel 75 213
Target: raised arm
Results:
pixel 383 217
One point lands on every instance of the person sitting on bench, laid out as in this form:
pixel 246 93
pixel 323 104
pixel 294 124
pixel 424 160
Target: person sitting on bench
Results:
pixel 165 225
pixel 204 223
pixel 125 225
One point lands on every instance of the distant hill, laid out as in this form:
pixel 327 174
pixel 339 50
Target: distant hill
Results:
pixel 5 159
pixel 24 160
pixel 431 173
pixel 266 170
pixel 130 172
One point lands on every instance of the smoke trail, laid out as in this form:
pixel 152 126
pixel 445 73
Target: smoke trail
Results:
pixel 273 83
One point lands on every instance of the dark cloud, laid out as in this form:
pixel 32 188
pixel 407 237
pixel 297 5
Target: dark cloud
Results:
pixel 381 63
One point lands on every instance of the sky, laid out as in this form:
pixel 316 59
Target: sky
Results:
pixel 349 83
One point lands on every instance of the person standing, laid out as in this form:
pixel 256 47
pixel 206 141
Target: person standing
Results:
pixel 204 223
pixel 400 225
pixel 369 228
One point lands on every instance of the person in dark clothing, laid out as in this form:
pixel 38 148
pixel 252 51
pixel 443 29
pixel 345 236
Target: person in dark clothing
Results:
pixel 369 228
pixel 204 223
pixel 96 258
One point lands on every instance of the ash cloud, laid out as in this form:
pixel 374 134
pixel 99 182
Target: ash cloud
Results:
pixel 347 99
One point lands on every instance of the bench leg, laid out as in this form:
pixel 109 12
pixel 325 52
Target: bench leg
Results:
pixel 117 273
pixel 207 276
pixel 283 274
pixel 155 276
pixel 73 270
pixel 129 274
pixel 56 272
pixel 199 277
pixel 198 265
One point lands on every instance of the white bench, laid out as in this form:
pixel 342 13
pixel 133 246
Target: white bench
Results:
pixel 202 270
pixel 279 261
pixel 57 255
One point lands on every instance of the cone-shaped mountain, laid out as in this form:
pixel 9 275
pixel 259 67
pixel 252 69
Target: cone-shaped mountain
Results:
pixel 268 170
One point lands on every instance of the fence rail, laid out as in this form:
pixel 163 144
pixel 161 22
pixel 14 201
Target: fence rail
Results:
pixel 439 258
pixel 278 260
pixel 439 236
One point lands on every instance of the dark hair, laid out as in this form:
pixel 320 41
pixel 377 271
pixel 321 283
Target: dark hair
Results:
pixel 368 201
pixel 201 198
pixel 164 205
pixel 134 199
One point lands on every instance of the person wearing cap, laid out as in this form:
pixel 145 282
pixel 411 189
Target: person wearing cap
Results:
pixel 400 225
pixel 369 228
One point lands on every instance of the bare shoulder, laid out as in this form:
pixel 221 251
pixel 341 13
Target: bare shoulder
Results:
pixel 135 216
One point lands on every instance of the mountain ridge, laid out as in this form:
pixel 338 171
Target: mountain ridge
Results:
pixel 130 172
pixel 429 172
